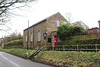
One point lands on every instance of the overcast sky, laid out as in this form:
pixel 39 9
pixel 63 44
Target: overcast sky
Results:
pixel 87 11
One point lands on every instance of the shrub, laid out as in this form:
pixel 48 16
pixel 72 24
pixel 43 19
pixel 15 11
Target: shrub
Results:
pixel 65 30
pixel 78 31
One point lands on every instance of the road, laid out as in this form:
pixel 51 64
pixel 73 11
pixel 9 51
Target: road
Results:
pixel 8 60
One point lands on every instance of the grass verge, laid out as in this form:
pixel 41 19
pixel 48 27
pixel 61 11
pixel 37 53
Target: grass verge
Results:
pixel 24 53
pixel 60 58
pixel 69 58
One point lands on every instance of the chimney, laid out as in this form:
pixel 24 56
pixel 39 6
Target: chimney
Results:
pixel 99 24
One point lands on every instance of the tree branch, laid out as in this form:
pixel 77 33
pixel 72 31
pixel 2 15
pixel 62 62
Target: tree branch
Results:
pixel 5 6
pixel 3 11
pixel 10 4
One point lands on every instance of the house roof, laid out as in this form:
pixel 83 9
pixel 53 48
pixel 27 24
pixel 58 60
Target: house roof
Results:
pixel 94 28
pixel 80 24
pixel 40 21
pixel 36 24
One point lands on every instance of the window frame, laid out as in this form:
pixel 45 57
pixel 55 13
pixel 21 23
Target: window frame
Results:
pixel 57 23
pixel 26 39
pixel 31 37
pixel 39 36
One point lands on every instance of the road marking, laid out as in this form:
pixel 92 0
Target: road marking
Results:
pixel 16 65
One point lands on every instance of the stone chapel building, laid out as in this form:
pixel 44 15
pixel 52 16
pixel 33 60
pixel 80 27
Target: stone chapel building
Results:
pixel 43 32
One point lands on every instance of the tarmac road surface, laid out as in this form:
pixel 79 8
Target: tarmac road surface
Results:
pixel 8 60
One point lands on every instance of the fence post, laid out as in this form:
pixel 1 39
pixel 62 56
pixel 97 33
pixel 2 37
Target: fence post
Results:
pixel 63 48
pixel 53 48
pixel 96 47
pixel 77 47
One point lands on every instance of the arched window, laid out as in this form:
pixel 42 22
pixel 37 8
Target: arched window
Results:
pixel 39 36
pixel 31 37
pixel 26 38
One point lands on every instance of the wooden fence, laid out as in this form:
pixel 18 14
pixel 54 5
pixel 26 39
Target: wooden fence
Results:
pixel 83 47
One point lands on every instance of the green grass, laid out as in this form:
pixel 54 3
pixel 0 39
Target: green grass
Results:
pixel 60 58
pixel 24 53
pixel 70 58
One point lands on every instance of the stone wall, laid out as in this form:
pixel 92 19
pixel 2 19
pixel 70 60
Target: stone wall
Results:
pixel 42 27
pixel 52 25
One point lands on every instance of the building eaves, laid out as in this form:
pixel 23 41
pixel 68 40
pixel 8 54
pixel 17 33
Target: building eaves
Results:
pixel 42 21
pixel 37 23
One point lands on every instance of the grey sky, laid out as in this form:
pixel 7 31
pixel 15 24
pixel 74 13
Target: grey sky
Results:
pixel 85 10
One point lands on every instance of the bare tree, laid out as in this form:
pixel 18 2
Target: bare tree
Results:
pixel 69 17
pixel 5 6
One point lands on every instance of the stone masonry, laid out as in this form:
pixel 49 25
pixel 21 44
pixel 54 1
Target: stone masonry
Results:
pixel 46 26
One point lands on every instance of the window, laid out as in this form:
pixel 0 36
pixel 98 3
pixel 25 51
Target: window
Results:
pixel 49 39
pixel 64 22
pixel 26 38
pixel 44 35
pixel 58 22
pixel 39 36
pixel 31 37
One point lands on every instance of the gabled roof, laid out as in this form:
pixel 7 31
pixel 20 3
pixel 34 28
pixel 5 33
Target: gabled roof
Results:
pixel 36 24
pixel 42 21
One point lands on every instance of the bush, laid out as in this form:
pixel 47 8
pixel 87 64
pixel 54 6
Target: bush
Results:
pixel 65 30
pixel 78 31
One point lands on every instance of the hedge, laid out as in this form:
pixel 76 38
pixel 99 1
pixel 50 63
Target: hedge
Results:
pixel 76 42
pixel 85 37
pixel 83 44
pixel 81 39
pixel 14 44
